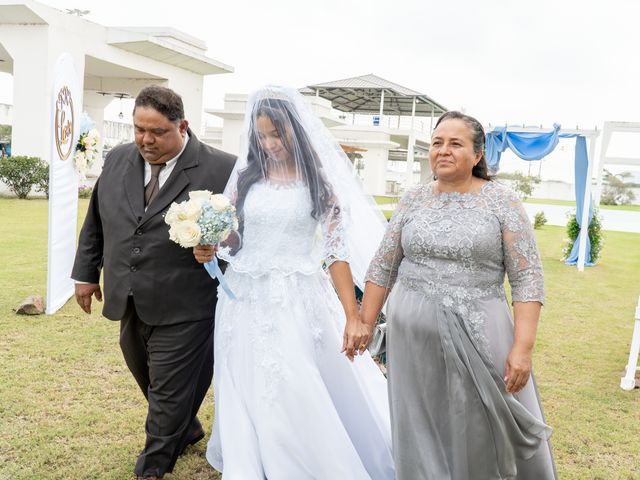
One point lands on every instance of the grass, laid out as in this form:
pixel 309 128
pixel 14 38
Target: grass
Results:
pixel 70 409
pixel 386 200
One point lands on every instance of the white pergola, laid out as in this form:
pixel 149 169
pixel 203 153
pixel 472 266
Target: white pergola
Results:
pixel 591 135
pixel 627 382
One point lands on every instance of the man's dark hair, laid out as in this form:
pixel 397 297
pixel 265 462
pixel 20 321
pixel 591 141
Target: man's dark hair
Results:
pixel 162 99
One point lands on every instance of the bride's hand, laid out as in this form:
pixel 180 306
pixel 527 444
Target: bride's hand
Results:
pixel 204 253
pixel 356 337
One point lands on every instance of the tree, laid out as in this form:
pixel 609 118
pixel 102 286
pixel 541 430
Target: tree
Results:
pixel 616 190
pixel 523 184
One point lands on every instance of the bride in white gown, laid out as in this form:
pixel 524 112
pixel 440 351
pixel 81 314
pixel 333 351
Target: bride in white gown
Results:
pixel 296 394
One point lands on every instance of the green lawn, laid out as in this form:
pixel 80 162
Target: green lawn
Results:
pixel 70 409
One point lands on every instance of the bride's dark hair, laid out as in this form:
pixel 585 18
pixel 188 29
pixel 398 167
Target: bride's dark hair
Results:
pixel 281 113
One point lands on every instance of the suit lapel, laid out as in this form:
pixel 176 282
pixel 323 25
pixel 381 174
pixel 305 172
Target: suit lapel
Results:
pixel 177 181
pixel 134 184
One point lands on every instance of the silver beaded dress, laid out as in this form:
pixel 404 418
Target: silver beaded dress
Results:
pixel 450 330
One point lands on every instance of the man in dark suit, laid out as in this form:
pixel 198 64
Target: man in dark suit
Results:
pixel 164 299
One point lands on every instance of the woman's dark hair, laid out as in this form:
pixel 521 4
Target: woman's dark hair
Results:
pixel 480 170
pixel 281 113
pixel 163 100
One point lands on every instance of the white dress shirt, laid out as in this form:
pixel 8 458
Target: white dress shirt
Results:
pixel 168 167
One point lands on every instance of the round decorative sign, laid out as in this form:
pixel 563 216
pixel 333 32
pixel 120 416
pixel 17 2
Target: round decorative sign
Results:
pixel 64 125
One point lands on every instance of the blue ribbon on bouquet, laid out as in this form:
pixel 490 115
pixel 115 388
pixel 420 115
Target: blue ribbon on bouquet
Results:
pixel 214 271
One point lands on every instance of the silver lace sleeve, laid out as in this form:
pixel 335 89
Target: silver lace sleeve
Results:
pixel 521 258
pixel 383 269
pixel 334 233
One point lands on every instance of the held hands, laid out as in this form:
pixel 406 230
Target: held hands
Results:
pixel 357 336
pixel 517 369
pixel 204 253
pixel 84 291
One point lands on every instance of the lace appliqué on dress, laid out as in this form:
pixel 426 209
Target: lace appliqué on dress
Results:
pixel 455 249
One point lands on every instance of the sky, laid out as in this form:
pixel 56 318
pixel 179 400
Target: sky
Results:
pixel 540 62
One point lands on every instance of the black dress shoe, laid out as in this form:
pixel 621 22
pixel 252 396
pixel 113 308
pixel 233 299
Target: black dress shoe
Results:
pixel 194 438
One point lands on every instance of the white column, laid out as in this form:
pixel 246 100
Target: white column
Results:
pixel 375 170
pixel 628 382
pixel 431 124
pixel 411 142
pixel 190 89
pixel 425 171
pixel 381 105
pixel 413 111
pixel 30 133
pixel 35 50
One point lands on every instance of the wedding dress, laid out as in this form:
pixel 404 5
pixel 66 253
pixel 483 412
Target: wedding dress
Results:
pixel 288 404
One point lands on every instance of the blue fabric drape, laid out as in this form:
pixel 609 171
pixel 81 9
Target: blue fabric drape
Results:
pixel 581 168
pixel 527 145
pixel 534 146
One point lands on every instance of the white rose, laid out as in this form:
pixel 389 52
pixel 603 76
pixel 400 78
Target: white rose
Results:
pixel 171 217
pixel 80 160
pixel 185 233
pixel 200 195
pixel 94 134
pixel 219 202
pixel 191 210
pixel 89 142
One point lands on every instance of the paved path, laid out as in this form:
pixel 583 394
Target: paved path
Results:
pixel 620 220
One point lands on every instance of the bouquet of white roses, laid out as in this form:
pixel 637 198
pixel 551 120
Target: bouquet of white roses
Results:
pixel 87 147
pixel 204 219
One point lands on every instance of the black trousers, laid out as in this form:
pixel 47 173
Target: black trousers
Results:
pixel 173 365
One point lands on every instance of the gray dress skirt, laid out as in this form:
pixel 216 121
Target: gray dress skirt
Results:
pixel 450 330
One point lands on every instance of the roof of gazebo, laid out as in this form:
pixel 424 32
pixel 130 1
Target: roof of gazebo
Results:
pixel 363 95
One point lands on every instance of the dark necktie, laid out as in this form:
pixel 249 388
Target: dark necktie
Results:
pixel 151 190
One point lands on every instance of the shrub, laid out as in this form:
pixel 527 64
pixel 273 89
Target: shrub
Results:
pixel 43 182
pixel 595 235
pixel 539 220
pixel 84 191
pixel 21 174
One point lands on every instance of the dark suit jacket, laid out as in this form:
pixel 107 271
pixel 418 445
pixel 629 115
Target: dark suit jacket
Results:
pixel 133 246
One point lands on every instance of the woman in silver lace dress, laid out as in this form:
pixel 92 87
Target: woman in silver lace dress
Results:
pixel 464 404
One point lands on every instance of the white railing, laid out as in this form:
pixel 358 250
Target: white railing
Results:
pixel 421 124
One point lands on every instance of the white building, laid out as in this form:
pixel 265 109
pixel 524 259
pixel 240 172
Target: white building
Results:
pixel 377 119
pixel 112 62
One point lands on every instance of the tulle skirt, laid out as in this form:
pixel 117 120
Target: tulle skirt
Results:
pixel 288 404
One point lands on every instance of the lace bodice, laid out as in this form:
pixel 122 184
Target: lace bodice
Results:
pixel 281 235
pixel 458 246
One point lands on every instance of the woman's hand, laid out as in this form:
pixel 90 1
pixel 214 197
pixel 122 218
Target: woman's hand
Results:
pixel 204 253
pixel 517 369
pixel 356 337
